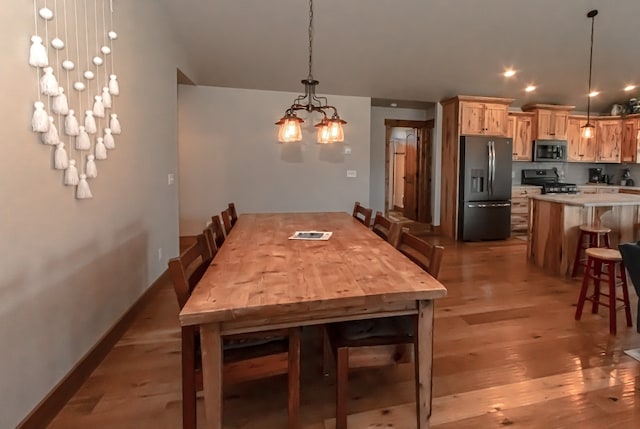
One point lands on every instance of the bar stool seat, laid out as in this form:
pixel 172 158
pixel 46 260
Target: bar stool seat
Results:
pixel 593 234
pixel 601 267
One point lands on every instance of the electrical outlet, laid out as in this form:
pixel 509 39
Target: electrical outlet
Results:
pixel 347 150
pixel 160 254
pixel 352 173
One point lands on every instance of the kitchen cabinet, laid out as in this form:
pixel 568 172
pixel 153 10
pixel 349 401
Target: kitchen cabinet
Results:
pixel 630 141
pixel 520 208
pixel 608 140
pixel 520 131
pixel 550 121
pixel 464 115
pixel 579 149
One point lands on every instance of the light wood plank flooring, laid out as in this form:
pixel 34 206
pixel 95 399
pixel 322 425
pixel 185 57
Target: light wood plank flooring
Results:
pixel 507 353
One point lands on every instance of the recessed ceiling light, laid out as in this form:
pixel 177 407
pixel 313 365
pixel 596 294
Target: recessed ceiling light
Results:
pixel 629 87
pixel 594 93
pixel 393 104
pixel 530 88
pixel 509 73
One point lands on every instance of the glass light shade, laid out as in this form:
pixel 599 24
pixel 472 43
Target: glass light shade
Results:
pixel 587 131
pixel 289 130
pixel 323 132
pixel 336 133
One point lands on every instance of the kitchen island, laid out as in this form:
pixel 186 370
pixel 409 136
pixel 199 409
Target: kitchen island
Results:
pixel 554 222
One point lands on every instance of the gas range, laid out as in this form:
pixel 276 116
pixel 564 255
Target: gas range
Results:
pixel 548 180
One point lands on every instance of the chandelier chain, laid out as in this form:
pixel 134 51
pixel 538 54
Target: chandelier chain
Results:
pixel 310 38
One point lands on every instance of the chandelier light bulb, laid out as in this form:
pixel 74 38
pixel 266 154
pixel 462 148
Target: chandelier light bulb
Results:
pixel 587 131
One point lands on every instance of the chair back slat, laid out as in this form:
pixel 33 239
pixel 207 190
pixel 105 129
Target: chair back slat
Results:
pixel 210 242
pixel 233 214
pixel 218 232
pixel 387 229
pixel 226 221
pixel 187 269
pixel 362 214
pixel 426 255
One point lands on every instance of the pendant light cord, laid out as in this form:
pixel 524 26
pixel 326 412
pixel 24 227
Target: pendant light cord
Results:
pixel 593 20
pixel 310 77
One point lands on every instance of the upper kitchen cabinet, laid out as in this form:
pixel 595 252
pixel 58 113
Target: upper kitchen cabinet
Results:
pixel 579 149
pixel 520 131
pixel 608 140
pixel 630 140
pixel 550 122
pixel 482 116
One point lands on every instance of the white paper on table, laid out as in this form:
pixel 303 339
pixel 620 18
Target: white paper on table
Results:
pixel 311 235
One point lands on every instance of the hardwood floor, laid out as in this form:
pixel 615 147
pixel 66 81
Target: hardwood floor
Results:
pixel 507 353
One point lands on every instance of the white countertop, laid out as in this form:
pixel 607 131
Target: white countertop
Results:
pixel 591 200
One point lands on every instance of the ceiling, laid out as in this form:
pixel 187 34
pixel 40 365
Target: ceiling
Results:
pixel 416 50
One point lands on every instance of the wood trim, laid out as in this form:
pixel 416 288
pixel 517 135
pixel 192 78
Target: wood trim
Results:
pixel 522 114
pixel 494 100
pixel 558 107
pixel 408 124
pixel 50 406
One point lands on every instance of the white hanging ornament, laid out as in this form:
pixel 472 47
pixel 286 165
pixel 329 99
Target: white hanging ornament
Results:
pixel 114 88
pixel 68 65
pixel 51 137
pixel 78 86
pixel 88 75
pixel 48 82
pixel 112 35
pixel 38 53
pixel 60 104
pixel 114 124
pixel 57 43
pixel 90 122
pixel 98 107
pixel 109 142
pixel 105 50
pixel 97 60
pixel 83 142
pixel 40 120
pixel 106 98
pixel 45 13
pixel 71 124
pixel 91 169
pixel 101 151
pixel 83 191
pixel 71 174
pixel 61 160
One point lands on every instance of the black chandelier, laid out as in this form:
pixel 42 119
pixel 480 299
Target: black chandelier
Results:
pixel 588 128
pixel 330 127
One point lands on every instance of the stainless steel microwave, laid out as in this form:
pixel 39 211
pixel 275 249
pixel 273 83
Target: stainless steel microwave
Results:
pixel 549 150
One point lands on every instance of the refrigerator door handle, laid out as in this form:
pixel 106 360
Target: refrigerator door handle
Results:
pixel 490 171
pixel 493 161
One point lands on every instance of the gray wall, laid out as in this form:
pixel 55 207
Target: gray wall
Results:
pixel 71 268
pixel 378 129
pixel 229 152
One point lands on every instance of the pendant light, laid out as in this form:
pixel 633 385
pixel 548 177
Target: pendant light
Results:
pixel 588 128
pixel 330 127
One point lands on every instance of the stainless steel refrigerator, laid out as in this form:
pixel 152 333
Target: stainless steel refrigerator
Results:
pixel 484 201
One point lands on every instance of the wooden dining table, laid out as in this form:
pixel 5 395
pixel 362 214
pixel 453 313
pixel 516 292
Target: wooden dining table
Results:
pixel 261 279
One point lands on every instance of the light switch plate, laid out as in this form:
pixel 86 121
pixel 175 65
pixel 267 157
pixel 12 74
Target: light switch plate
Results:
pixel 352 173
pixel 171 179
pixel 347 150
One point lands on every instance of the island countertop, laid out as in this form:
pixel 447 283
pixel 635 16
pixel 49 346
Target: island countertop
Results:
pixel 591 200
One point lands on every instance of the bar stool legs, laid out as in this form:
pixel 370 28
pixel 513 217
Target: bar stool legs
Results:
pixel 593 234
pixel 605 265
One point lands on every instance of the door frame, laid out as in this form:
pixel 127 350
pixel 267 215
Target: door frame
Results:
pixel 424 168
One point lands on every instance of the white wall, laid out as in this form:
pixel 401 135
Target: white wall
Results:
pixel 378 116
pixel 229 152
pixel 71 268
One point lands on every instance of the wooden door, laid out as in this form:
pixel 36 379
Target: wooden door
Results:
pixel 580 149
pixel 609 139
pixel 410 205
pixel 560 122
pixel 495 120
pixel 424 175
pixel 545 122
pixel 629 141
pixel 472 118
pixel 522 149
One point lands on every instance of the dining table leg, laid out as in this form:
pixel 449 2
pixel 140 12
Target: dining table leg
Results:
pixel 424 362
pixel 211 343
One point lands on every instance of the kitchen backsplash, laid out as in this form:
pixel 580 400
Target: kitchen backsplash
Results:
pixel 578 173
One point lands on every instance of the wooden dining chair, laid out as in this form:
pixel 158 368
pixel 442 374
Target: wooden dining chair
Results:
pixel 345 338
pixel 233 214
pixel 218 232
pixel 245 356
pixel 362 214
pixel 386 229
pixel 226 221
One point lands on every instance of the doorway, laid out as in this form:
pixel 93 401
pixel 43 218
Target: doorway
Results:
pixel 408 168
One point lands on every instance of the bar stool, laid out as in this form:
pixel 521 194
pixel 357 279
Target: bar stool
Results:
pixel 593 233
pixel 601 266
